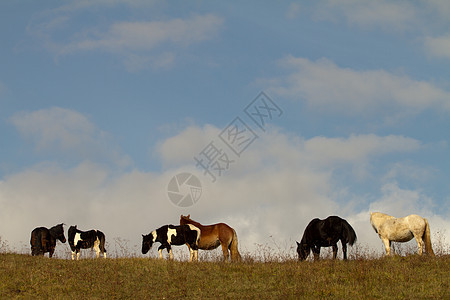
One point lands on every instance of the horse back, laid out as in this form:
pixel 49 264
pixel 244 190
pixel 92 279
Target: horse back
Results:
pixel 212 235
pixel 328 231
pixel 40 240
pixel 88 235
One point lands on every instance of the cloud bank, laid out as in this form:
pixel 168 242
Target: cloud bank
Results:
pixel 141 44
pixel 327 87
pixel 269 195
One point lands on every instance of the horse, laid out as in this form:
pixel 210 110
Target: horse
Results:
pixel 44 240
pixel 214 235
pixel 392 229
pixel 176 235
pixel 325 233
pixel 86 239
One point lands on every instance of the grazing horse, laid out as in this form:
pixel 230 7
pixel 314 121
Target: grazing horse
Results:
pixel 169 235
pixel 325 233
pixel 86 239
pixel 44 240
pixel 392 229
pixel 215 235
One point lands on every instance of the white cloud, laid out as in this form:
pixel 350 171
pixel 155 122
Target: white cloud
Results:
pixel 142 44
pixel 383 14
pixel 328 87
pixel 145 36
pixel 438 46
pixel 67 132
pixel 293 10
pixel 356 148
pixel 182 148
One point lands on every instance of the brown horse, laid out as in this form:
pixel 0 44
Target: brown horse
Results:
pixel 214 235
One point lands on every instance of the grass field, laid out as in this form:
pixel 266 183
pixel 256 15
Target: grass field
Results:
pixel 410 277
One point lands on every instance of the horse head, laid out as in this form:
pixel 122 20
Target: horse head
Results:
pixel 58 232
pixel 147 242
pixel 303 250
pixel 184 219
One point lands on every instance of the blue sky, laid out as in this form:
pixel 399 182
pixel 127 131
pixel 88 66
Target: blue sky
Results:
pixel 103 102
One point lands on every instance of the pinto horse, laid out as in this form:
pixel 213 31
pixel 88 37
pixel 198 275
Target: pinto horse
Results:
pixel 86 239
pixel 169 235
pixel 214 235
pixel 44 240
pixel 391 229
pixel 326 233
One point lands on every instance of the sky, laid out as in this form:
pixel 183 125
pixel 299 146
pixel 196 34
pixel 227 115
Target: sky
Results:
pixel 284 112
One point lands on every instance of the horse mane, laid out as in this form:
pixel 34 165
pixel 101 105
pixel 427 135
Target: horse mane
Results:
pixel 307 234
pixel 188 218
pixel 56 229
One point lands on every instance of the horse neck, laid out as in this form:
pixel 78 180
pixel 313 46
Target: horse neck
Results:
pixel 304 240
pixel 196 224
pixel 54 231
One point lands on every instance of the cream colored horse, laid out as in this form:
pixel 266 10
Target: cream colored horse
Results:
pixel 391 229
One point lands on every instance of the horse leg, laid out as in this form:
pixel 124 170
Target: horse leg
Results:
pixel 196 255
pixel 43 246
pixel 73 255
pixel 316 252
pixel 419 243
pixel 225 251
pixel 170 252
pixel 160 249
pixel 78 251
pixel 335 250
pixel 97 247
pixel 194 248
pixel 191 252
pixel 387 245
pixel 344 250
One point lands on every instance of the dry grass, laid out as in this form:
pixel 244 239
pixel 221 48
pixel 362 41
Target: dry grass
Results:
pixel 409 277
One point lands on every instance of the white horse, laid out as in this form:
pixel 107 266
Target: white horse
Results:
pixel 402 230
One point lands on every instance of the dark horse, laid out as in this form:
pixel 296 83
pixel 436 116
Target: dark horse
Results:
pixel 214 235
pixel 169 235
pixel 325 233
pixel 44 240
pixel 86 239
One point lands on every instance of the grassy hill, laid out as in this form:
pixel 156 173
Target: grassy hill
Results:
pixel 410 277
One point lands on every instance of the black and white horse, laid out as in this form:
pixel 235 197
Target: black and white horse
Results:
pixel 169 235
pixel 86 239
pixel 44 240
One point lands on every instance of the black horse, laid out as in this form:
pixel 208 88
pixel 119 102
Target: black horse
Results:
pixel 86 239
pixel 325 233
pixel 44 240
pixel 176 235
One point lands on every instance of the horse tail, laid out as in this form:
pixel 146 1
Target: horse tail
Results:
pixel 35 241
pixel 349 233
pixel 427 238
pixel 101 238
pixel 235 256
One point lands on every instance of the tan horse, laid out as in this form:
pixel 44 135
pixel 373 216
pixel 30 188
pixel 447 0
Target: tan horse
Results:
pixel 402 230
pixel 214 235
